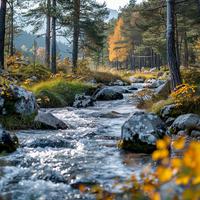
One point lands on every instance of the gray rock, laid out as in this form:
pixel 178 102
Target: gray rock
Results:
pixel 107 94
pixel 8 142
pixel 168 111
pixel 120 89
pixel 83 101
pixel 186 122
pixel 141 131
pixel 170 121
pixel 22 101
pixel 136 80
pixel 195 133
pixel 153 83
pixel 1 103
pixel 46 120
pixel 119 83
pixel 164 90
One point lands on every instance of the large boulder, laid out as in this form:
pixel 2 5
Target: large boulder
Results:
pixel 107 94
pixel 18 101
pixel 8 142
pixel 46 120
pixel 164 90
pixel 188 122
pixel 141 132
pixel 83 101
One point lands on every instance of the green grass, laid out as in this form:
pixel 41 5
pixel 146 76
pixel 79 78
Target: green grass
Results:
pixel 59 92
pixel 17 122
pixel 23 73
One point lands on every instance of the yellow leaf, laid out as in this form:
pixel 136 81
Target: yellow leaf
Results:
pixel 176 163
pixel 156 196
pixel 160 154
pixel 179 144
pixel 196 180
pixel 184 180
pixel 164 174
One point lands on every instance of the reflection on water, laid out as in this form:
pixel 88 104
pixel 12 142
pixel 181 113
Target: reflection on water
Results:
pixel 49 162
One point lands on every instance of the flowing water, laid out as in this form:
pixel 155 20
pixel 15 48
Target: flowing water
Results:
pixel 50 165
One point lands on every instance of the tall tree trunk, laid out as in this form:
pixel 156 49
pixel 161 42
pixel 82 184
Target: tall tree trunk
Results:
pixel 12 28
pixel 53 45
pixel 2 31
pixel 186 52
pixel 198 3
pixel 171 47
pixel 76 33
pixel 48 35
pixel 177 41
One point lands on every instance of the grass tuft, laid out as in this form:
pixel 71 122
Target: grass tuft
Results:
pixel 59 92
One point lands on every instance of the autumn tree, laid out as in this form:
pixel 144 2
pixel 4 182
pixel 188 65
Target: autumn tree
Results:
pixel 118 50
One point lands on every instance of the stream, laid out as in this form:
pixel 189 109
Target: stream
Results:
pixel 49 165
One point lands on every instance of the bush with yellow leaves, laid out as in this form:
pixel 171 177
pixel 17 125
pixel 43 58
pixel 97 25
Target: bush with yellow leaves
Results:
pixel 182 171
pixel 187 99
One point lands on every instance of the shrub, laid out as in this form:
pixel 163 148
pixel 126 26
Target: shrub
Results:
pixel 191 76
pixel 58 92
pixel 187 99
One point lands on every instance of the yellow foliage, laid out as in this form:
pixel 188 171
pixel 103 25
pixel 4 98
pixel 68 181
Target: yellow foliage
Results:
pixel 184 93
pixel 118 50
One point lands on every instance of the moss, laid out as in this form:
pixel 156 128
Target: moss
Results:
pixel 17 122
pixel 59 92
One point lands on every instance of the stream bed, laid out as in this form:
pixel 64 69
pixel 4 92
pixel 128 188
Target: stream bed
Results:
pixel 49 164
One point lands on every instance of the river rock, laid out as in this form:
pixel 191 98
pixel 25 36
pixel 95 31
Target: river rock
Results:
pixel 20 101
pixel 195 133
pixel 83 101
pixel 107 94
pixel 119 83
pixel 141 132
pixel 168 111
pixel 164 90
pixel 186 122
pixel 46 120
pixel 8 142
pixel 153 83
pixel 136 80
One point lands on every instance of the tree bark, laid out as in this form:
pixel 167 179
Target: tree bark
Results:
pixel 198 3
pixel 12 29
pixel 53 45
pixel 186 52
pixel 171 47
pixel 177 41
pixel 76 33
pixel 48 35
pixel 2 31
